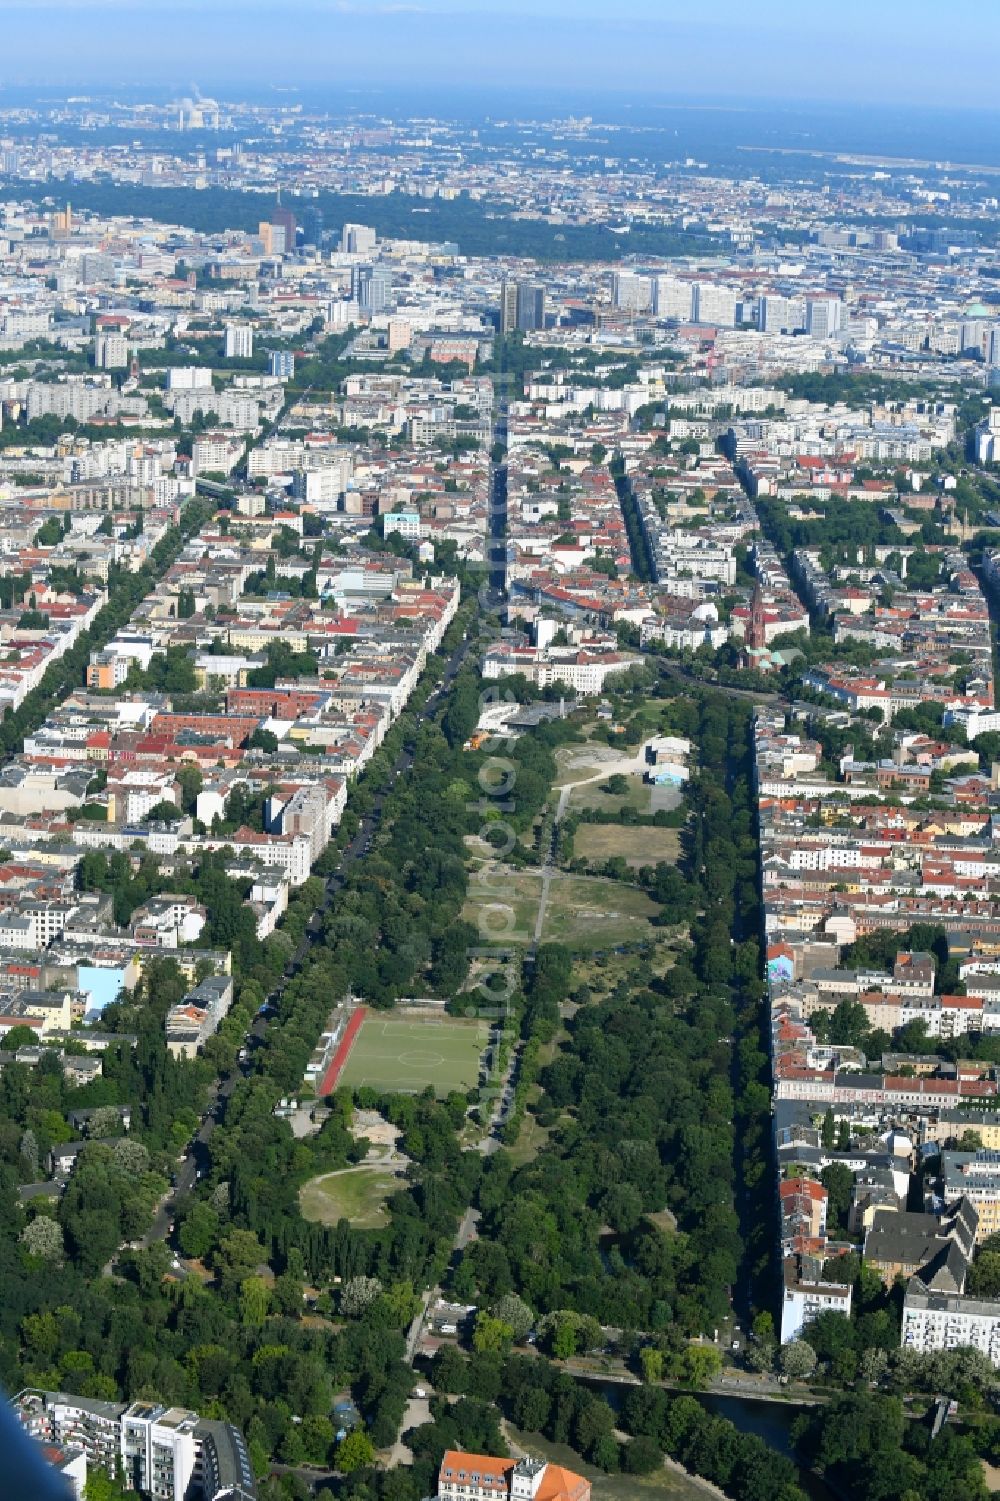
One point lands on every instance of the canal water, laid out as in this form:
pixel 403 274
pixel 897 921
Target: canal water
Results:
pixel 770 1421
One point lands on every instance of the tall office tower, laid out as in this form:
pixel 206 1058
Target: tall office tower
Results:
pixel 272 237
pixel 530 306
pixel 285 219
pixel 631 292
pixel 714 304
pixel 993 345
pixel 672 298
pixel 822 316
pixel 974 334
pixel 372 287
pixel 312 226
pixel 357 239
pixel 239 341
pixel 508 306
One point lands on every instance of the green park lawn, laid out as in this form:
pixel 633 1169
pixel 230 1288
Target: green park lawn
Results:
pixel 503 909
pixel 586 912
pixel 592 795
pixel 636 845
pixel 357 1194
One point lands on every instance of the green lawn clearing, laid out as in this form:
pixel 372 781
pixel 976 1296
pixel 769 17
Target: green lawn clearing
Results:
pixel 357 1194
pixel 636 845
pixel 586 912
pixel 504 904
pixel 592 795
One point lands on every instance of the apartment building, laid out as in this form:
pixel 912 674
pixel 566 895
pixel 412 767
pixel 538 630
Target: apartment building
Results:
pixel 168 921
pixel 974 1176
pixel 584 671
pixel 198 1016
pixel 164 1453
pixel 215 453
pixel 947 1321
pixel 238 344
pixel 805 1294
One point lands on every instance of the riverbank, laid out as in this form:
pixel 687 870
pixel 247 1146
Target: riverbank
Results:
pixel 767 1416
pixel 672 1483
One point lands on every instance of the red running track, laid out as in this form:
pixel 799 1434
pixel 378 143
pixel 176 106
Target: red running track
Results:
pixel 344 1047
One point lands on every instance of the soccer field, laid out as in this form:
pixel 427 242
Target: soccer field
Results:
pixel 406 1056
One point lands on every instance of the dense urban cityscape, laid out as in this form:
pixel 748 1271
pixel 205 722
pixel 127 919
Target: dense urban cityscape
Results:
pixel 500 804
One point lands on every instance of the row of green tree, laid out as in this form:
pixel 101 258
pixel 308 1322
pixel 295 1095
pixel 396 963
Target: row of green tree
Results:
pixel 637 1103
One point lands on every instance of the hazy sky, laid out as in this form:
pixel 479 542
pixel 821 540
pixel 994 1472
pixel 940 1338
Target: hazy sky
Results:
pixel 891 50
